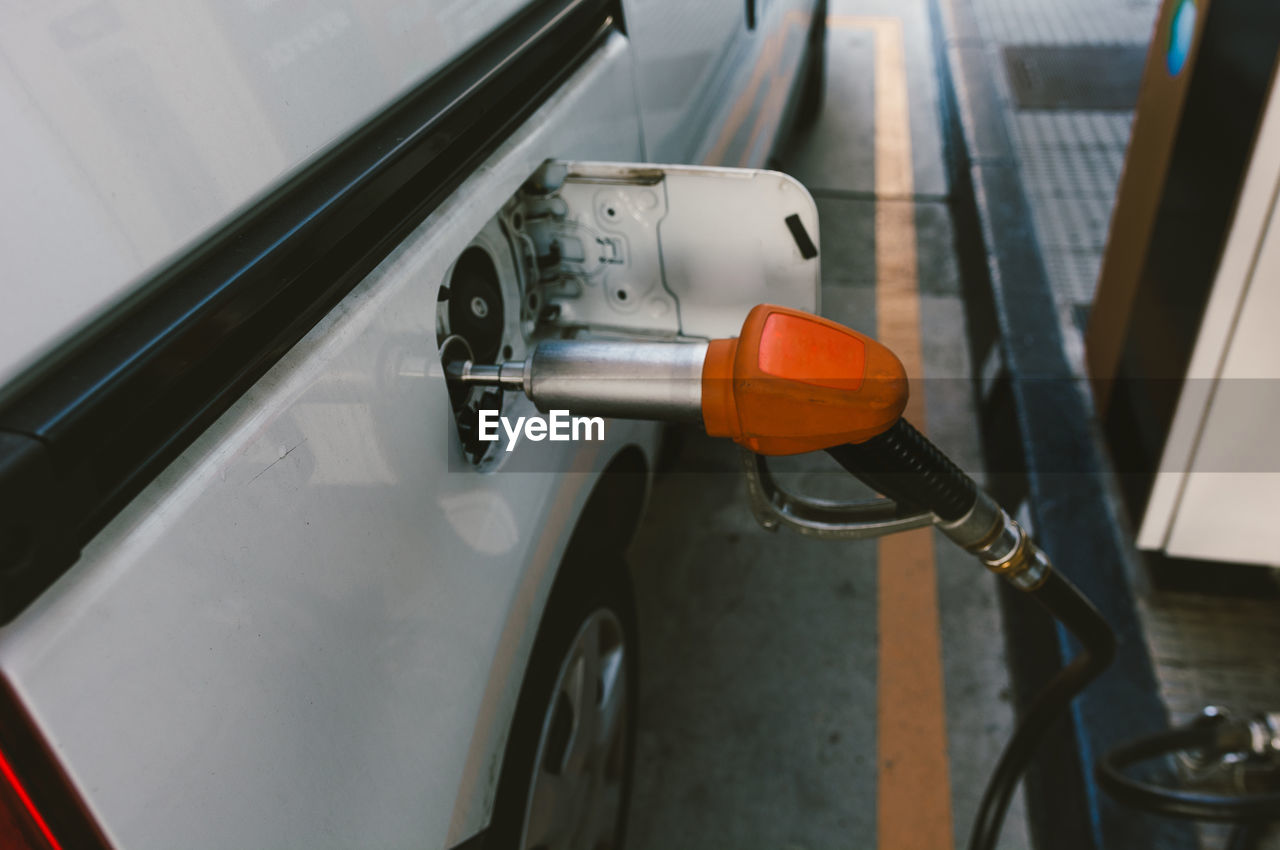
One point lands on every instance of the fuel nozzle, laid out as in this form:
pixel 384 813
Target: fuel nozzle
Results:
pixel 791 382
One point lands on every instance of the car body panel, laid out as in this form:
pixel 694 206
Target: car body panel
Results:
pixel 137 126
pixel 682 50
pixel 296 619
pixel 716 101
pixel 310 629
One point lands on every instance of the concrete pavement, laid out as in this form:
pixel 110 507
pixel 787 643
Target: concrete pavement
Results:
pixel 762 723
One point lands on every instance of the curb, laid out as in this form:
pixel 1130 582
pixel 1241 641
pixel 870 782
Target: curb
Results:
pixel 1036 424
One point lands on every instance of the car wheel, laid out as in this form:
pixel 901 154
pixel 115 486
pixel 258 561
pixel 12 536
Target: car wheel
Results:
pixel 567 771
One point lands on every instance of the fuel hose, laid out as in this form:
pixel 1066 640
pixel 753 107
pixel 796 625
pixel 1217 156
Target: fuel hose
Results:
pixel 904 465
pixel 1226 737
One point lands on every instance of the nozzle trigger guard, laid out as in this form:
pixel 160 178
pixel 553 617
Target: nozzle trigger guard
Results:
pixel 773 506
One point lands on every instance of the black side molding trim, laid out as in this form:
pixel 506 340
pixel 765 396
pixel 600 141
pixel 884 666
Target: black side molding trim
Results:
pixel 95 426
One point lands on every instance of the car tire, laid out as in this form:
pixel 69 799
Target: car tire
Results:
pixel 566 774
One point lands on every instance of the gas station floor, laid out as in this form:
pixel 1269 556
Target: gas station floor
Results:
pixel 799 693
pixel 803 694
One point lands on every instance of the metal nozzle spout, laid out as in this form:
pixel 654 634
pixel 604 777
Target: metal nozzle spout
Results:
pixel 624 379
pixel 509 375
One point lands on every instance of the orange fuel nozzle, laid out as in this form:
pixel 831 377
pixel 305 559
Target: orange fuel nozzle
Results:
pixel 793 382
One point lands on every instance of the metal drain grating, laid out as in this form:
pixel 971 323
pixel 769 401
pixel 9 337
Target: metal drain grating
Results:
pixel 1081 77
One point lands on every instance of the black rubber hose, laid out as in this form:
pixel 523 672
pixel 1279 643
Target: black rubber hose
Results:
pixel 902 464
pixel 1061 598
pixel 1174 802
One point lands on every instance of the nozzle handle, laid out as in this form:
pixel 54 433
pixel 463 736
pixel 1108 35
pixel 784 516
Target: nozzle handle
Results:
pixel 903 464
pixel 793 382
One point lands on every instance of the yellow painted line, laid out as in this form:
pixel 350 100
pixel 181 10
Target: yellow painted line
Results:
pixel 913 800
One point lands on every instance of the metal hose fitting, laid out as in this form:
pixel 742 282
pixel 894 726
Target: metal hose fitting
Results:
pixel 1003 546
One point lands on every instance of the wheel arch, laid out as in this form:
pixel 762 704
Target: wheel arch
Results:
pixel 611 514
pixel 605 525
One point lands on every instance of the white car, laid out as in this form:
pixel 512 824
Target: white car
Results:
pixel 262 584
